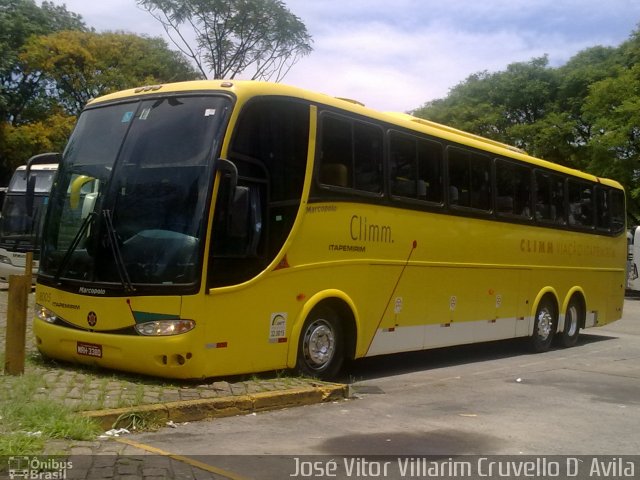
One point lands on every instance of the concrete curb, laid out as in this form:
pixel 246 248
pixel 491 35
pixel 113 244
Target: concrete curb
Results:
pixel 200 409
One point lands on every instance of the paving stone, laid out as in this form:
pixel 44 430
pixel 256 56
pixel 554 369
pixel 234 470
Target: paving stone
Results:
pixel 98 473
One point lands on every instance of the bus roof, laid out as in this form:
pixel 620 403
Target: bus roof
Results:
pixel 245 89
pixel 45 166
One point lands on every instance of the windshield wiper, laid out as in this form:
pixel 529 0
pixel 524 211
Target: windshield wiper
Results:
pixel 117 254
pixel 84 226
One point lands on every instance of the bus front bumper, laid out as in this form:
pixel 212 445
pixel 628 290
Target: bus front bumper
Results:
pixel 167 356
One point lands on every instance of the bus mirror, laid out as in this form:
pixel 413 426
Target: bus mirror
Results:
pixel 244 223
pixel 230 171
pixel 76 186
pixel 228 168
pixel 41 159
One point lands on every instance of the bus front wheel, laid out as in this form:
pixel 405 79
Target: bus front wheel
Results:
pixel 544 327
pixel 321 345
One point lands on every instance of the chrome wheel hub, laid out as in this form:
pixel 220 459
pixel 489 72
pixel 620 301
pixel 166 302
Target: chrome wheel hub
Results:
pixel 545 323
pixel 319 344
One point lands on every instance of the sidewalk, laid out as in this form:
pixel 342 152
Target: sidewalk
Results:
pixel 116 399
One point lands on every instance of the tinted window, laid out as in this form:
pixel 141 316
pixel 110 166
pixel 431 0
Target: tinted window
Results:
pixel 609 209
pixel 415 168
pixel 274 134
pixel 469 179
pixel 513 189
pixel 581 211
pixel 550 196
pixel 616 209
pixel 351 154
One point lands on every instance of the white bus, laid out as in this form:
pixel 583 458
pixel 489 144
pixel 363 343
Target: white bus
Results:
pixel 23 213
pixel 633 279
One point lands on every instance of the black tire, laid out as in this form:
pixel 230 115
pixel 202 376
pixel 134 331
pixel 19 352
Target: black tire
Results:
pixel 321 345
pixel 544 327
pixel 572 321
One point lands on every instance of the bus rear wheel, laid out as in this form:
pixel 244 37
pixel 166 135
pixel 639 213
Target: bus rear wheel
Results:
pixel 321 345
pixel 545 325
pixel 572 320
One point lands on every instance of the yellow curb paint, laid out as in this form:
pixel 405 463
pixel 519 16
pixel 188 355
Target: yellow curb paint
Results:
pixel 183 459
pixel 199 409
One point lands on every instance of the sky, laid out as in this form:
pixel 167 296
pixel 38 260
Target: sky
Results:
pixel 395 55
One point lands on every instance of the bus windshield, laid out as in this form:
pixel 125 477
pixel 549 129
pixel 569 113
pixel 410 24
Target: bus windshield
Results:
pixel 20 227
pixel 130 201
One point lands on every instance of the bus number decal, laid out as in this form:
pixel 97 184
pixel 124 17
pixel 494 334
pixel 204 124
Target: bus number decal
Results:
pixel 453 301
pixel 278 328
pixel 397 308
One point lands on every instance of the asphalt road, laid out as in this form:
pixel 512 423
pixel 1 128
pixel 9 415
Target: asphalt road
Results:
pixel 490 399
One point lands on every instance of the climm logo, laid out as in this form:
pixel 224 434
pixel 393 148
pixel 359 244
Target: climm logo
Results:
pixel 535 246
pixel 362 230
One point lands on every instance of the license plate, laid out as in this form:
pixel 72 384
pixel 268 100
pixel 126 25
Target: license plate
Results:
pixel 89 349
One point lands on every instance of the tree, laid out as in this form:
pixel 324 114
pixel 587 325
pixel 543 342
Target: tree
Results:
pixel 613 107
pixel 23 141
pixel 78 66
pixel 19 20
pixel 23 98
pixel 234 36
pixel 499 105
pixel 52 65
pixel 584 114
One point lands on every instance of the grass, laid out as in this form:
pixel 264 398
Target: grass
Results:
pixel 138 421
pixel 26 423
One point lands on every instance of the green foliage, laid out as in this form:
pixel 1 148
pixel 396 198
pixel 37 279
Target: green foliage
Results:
pixel 613 108
pixel 20 142
pixel 234 36
pixel 84 65
pixel 19 21
pixel 585 114
pixel 52 64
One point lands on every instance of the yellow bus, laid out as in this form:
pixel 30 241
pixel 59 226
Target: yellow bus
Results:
pixel 212 228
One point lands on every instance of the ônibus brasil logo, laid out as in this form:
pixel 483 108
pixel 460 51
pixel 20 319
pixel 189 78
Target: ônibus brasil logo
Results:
pixel 38 468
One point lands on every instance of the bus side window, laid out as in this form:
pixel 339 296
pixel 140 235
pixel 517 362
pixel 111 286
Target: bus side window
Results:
pixel 458 181
pixel 549 198
pixel 603 219
pixel 610 209
pixel 513 189
pixel 617 210
pixel 367 153
pixel 269 149
pixel 403 165
pixel 337 167
pixel 581 212
pixel 430 171
pixel 415 168
pixel 336 174
pixel 351 154
pixel 469 173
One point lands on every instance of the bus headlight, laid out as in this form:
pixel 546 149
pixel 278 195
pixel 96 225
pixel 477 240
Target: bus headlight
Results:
pixel 45 314
pixel 165 327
